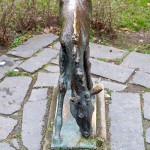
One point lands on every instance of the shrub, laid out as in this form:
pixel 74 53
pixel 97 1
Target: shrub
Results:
pixel 102 20
pixel 19 16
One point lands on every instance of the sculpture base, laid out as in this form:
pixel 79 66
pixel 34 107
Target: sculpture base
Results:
pixel 70 134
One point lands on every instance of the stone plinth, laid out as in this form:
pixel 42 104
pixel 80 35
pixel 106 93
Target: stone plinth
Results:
pixel 70 133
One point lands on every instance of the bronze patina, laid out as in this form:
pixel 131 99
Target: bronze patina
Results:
pixel 75 65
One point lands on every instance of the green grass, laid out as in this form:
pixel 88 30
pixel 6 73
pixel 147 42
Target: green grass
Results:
pixel 145 49
pixel 103 59
pixel 92 34
pixel 109 92
pixel 147 90
pixel 15 73
pixel 131 14
pixel 118 60
pixel 19 40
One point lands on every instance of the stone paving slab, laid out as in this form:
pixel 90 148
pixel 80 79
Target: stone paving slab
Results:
pixel 141 78
pixel 111 71
pixel 47 79
pixel 36 62
pixel 126 122
pixel 6 146
pixel 57 46
pixel 137 60
pixel 101 51
pixel 15 143
pixel 55 61
pixel 148 135
pixel 12 93
pixel 9 64
pixel 38 94
pixel 32 45
pixel 146 97
pixel 107 70
pixel 33 120
pixel 6 127
pixel 106 52
pixel 52 68
pixel 113 86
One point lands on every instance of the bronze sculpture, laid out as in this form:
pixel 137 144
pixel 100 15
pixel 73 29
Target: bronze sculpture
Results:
pixel 75 65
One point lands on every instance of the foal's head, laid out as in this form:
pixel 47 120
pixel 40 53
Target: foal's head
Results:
pixel 82 110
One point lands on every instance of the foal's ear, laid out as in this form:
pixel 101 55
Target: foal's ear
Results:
pixel 96 90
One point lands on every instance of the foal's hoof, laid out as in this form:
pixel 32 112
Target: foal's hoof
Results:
pixel 57 140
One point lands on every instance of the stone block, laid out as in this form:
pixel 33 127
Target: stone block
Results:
pixel 110 71
pixel 106 52
pixel 146 97
pixel 101 51
pixel 32 45
pixel 113 86
pixel 126 127
pixel 142 79
pixel 52 68
pixel 33 119
pixel 12 93
pixel 148 135
pixel 9 64
pixel 6 146
pixel 47 79
pixel 137 60
pixel 34 63
pixel 6 126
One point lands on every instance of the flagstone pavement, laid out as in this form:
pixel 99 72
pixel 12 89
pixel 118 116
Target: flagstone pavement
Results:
pixel 28 72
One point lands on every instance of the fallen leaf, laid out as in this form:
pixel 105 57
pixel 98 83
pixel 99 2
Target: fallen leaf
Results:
pixel 135 24
pixel 148 4
pixel 46 30
pixel 51 28
pixel 50 46
pixel 102 30
pixel 94 38
pixel 99 40
pixel 125 29
pixel 141 41
pixel 39 18
pixel 141 35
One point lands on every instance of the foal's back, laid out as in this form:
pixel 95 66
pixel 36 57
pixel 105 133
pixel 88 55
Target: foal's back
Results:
pixel 76 14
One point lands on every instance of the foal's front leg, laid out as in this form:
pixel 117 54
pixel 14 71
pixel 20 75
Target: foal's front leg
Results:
pixel 62 87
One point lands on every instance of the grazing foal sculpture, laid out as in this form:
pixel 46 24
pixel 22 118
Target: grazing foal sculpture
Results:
pixel 75 65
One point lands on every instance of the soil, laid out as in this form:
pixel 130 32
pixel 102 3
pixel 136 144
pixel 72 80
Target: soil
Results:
pixel 134 89
pixel 3 50
pixel 128 38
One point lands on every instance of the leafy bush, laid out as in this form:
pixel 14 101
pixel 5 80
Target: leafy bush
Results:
pixel 19 16
pixel 102 20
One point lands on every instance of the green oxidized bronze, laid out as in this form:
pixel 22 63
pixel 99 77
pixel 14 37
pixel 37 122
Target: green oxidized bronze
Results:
pixel 75 65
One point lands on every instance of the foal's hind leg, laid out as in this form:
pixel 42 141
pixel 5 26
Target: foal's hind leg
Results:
pixel 62 87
